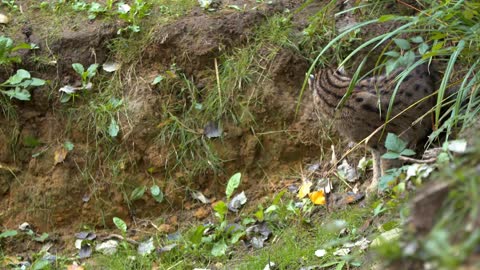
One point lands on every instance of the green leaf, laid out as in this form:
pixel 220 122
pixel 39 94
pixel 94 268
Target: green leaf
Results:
pixel 40 264
pixel 394 143
pixel 68 145
pixel 219 248
pixel 113 128
pixel 157 193
pixel 121 225
pixel 393 54
pixel 386 181
pixel 9 233
pixel 37 82
pixel 92 70
pixel 30 141
pixel 402 43
pixel 157 80
pixel 233 184
pixel 390 155
pixel 417 39
pixel 236 236
pixel 78 68
pixel 137 193
pixel 41 238
pixel 18 77
pixel 423 48
pixel 386 18
pixel 407 152
pixel 196 237
pixel 22 94
pixel 220 208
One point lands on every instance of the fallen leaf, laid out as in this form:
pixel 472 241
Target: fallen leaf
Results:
pixel 386 237
pixel 145 248
pixel 318 197
pixel 4 19
pixel 201 213
pixel 348 172
pixel 304 189
pixel 320 253
pixel 110 66
pixel 199 196
pixel 237 201
pixel 457 146
pixel 108 248
pixel 60 155
pixel 74 267
pixel 341 252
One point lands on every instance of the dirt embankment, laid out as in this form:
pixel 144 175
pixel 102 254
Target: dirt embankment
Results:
pixel 82 189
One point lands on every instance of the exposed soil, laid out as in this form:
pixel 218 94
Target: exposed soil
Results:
pixel 65 196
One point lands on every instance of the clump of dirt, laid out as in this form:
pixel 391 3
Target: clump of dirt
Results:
pixel 69 194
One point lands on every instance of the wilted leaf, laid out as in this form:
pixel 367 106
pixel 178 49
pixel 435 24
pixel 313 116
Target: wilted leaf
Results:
pixel 85 251
pixel 68 89
pixel 108 248
pixel 233 184
pixel 304 189
pixel 110 66
pixel 121 225
pixel 387 237
pixel 3 19
pixel 318 197
pixel 270 266
pixel 341 252
pixel 199 196
pixel 457 146
pixel 320 253
pixel 347 172
pixel 419 170
pixel 205 3
pixel 212 130
pixel 166 248
pixel 145 248
pixel 60 155
pixel 86 235
pixel 237 202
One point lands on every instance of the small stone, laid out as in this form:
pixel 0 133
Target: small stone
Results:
pixel 4 19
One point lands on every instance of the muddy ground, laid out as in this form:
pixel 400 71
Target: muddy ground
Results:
pixel 84 190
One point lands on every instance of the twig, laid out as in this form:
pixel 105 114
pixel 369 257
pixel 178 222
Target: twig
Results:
pixel 414 160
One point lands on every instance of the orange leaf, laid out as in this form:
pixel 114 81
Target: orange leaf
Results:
pixel 318 197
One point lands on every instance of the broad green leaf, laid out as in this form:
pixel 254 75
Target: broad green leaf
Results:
pixel 407 152
pixel 22 94
pixel 157 193
pixel 423 48
pixel 402 43
pixel 41 264
pixel 121 225
pixel 113 128
pixel 220 208
pixel 236 236
pixel 219 248
pixel 37 82
pixel 41 238
pixel 18 77
pixel 196 237
pixel 393 54
pixel 9 233
pixel 394 143
pixel 78 68
pixel 417 39
pixel 386 181
pixel 137 193
pixel 233 184
pixel 92 70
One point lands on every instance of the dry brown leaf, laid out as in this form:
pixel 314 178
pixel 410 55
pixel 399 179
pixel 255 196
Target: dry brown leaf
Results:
pixel 60 155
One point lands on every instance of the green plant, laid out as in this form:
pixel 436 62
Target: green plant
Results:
pixel 132 14
pixel 7 47
pixel 70 92
pixel 17 86
pixel 93 9
pixel 10 4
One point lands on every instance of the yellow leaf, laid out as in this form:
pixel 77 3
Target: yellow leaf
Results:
pixel 318 197
pixel 304 189
pixel 60 155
